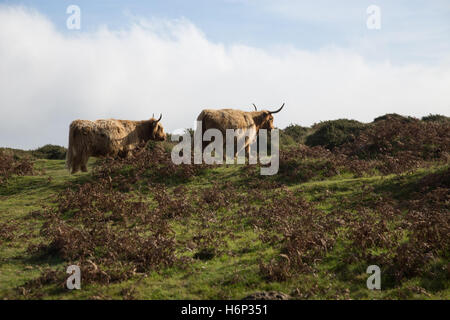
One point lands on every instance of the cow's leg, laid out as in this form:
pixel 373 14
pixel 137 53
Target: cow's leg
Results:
pixel 247 152
pixel 204 145
pixel 76 164
pixel 224 154
pixel 125 153
pixel 237 152
pixel 84 167
pixel 250 147
pixel 75 169
pixel 84 161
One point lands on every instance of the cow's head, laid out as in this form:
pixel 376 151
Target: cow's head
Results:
pixel 264 118
pixel 157 131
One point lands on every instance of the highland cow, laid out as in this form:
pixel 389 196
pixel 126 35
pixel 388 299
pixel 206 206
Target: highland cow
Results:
pixel 109 137
pixel 249 121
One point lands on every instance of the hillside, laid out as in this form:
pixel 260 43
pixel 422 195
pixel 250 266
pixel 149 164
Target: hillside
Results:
pixel 143 228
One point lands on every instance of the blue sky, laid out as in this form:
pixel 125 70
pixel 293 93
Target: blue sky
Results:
pixel 412 31
pixel 176 57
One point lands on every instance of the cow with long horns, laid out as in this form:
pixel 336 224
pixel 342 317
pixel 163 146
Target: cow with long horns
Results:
pixel 249 121
pixel 109 137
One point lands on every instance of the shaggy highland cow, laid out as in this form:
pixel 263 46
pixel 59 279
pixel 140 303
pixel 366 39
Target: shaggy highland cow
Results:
pixel 250 121
pixel 109 137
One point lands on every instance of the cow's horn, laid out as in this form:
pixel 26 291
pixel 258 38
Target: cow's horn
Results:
pixel 256 109
pixel 159 118
pixel 272 112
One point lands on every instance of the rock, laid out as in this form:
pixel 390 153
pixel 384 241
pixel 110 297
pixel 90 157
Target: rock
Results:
pixel 268 295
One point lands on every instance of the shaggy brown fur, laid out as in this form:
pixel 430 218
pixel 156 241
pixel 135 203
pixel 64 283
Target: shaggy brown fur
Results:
pixel 224 119
pixel 109 137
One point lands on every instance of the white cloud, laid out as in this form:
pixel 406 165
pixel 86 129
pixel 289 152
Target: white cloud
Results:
pixel 49 78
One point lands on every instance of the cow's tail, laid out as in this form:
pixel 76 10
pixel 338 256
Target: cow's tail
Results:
pixel 71 152
pixel 201 122
pixel 77 149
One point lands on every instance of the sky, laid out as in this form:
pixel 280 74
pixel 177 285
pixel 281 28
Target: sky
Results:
pixel 176 57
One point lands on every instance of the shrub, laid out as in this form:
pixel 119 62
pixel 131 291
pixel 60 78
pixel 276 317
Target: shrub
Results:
pixel 400 142
pixel 331 134
pixel 293 135
pixel 16 153
pixel 147 163
pixel 393 116
pixel 436 117
pixel 302 233
pixel 10 165
pixel 405 235
pixel 109 234
pixel 51 152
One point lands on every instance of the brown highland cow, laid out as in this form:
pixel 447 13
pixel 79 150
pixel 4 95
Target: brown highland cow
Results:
pixel 109 137
pixel 224 119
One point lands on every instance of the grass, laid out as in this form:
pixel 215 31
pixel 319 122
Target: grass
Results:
pixel 232 275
